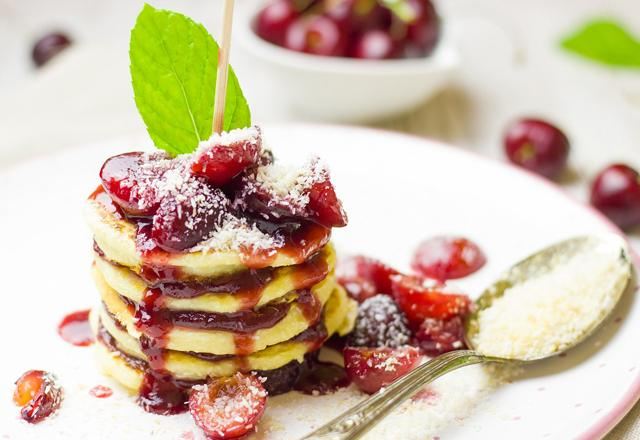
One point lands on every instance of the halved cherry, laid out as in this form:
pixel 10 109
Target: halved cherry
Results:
pixel 123 179
pixel 219 164
pixel 420 299
pixel 361 269
pixel 358 288
pixel 437 336
pixel 373 368
pixel 444 258
pixel 324 205
pixel 228 407
pixel 181 223
pixel 38 394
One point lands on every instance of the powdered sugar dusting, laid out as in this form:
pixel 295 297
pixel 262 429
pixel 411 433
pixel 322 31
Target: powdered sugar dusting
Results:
pixel 380 323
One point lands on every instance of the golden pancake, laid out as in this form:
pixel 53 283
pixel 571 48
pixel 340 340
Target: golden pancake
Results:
pixel 216 341
pixel 338 317
pixel 285 280
pixel 116 238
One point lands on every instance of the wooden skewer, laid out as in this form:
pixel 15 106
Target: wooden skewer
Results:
pixel 223 68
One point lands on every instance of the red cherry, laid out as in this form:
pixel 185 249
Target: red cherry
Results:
pixel 48 47
pixel 616 192
pixel 317 35
pixel 229 407
pixel 181 223
pixel 358 288
pixel 362 269
pixel 324 206
pixel 122 178
pixel 373 45
pixel 219 164
pixel 538 146
pixel 423 32
pixel 436 336
pixel 373 368
pixel 420 299
pixel 444 258
pixel 274 20
pixel 38 394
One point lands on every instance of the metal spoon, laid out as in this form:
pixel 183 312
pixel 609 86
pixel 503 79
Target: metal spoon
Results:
pixel 361 418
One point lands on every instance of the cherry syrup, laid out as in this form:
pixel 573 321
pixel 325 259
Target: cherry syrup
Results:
pixel 75 329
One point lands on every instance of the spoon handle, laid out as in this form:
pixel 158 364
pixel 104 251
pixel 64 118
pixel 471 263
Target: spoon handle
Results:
pixel 365 415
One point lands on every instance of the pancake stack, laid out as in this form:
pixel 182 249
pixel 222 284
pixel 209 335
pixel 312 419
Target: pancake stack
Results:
pixel 169 320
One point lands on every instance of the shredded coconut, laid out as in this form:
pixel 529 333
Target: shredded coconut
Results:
pixel 251 135
pixel 236 234
pixel 548 313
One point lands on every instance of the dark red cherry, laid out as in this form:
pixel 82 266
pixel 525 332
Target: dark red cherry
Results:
pixel 181 223
pixel 123 180
pixel 423 31
pixel 437 336
pixel 274 20
pixel 538 146
pixel 616 193
pixel 373 368
pixel 317 35
pixel 373 45
pixel 48 47
pixel 219 164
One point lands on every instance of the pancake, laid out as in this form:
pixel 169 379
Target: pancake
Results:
pixel 338 317
pixel 282 281
pixel 216 341
pixel 116 237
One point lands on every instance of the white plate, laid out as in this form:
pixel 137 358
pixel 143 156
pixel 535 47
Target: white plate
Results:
pixel 398 190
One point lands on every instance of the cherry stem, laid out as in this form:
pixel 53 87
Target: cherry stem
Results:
pixel 223 67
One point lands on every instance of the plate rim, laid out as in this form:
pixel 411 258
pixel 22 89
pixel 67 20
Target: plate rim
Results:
pixel 596 430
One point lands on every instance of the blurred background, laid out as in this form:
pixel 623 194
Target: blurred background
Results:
pixel 495 61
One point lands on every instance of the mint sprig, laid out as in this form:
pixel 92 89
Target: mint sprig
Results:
pixel 605 41
pixel 173 64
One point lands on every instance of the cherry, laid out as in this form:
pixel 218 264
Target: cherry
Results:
pixel 358 288
pixel 420 299
pixel 436 336
pixel 48 47
pixel 317 35
pixel 373 368
pixel 124 179
pixel 228 407
pixel 219 164
pixel 444 258
pixel 274 20
pixel 38 394
pixel 324 205
pixel 373 45
pixel 423 32
pixel 538 146
pixel 365 271
pixel 380 323
pixel 616 193
pixel 182 222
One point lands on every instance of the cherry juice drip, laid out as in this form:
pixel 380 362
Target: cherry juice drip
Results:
pixel 75 329
pixel 158 393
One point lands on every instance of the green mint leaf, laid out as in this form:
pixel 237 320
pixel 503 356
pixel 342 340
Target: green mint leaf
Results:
pixel 605 41
pixel 173 67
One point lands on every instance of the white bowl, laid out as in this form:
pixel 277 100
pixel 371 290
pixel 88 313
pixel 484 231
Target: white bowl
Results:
pixel 344 89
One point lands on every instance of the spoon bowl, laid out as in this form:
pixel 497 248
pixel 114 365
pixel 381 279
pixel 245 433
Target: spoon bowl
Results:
pixel 611 272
